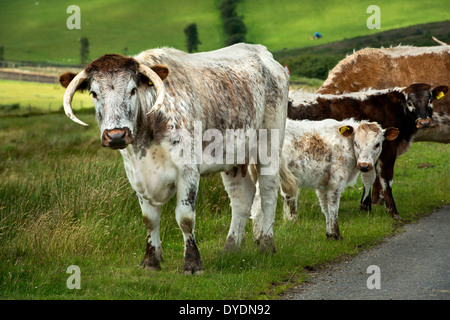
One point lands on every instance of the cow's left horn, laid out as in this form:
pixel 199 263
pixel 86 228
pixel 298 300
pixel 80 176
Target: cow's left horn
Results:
pixel 159 85
pixel 68 96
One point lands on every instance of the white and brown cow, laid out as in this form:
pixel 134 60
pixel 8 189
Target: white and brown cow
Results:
pixel 402 108
pixel 150 106
pixel 383 68
pixel 327 156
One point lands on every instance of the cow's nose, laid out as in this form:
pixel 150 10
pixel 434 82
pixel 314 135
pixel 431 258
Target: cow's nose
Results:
pixel 115 139
pixel 364 167
pixel 424 123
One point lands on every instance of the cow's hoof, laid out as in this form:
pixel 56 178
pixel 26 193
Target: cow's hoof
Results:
pixel 230 245
pixel 334 236
pixel 366 205
pixel 149 264
pixel 267 244
pixel 193 270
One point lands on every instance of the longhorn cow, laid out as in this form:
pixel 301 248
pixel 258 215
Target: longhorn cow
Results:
pixel 148 107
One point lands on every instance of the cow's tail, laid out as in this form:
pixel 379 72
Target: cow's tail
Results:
pixel 288 181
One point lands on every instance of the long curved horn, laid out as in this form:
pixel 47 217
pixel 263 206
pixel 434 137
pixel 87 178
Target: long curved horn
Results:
pixel 68 96
pixel 159 86
pixel 442 43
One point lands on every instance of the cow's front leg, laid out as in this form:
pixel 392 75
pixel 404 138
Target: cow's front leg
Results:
pixel 241 190
pixel 386 177
pixel 368 178
pixel 153 252
pixel 185 215
pixel 332 230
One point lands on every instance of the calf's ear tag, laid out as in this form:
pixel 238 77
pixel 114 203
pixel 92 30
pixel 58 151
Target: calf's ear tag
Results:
pixel 440 95
pixel 344 129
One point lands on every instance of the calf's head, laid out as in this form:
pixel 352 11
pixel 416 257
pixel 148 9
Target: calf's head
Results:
pixel 417 101
pixel 368 139
pixel 119 85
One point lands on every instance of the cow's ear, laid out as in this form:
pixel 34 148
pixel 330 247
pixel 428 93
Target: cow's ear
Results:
pixel 395 96
pixel 391 133
pixel 161 71
pixel 346 131
pixel 439 92
pixel 65 78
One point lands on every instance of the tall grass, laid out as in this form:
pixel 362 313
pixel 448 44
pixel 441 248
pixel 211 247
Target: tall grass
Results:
pixel 65 201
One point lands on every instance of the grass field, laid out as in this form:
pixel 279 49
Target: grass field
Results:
pixel 36 96
pixel 290 24
pixel 65 200
pixel 36 30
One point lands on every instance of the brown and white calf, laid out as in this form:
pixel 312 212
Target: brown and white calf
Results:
pixel 402 108
pixel 327 156
pixel 152 107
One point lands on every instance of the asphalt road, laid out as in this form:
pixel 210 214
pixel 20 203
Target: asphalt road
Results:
pixel 413 265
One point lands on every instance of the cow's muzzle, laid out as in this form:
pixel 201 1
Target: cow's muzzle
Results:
pixel 116 138
pixel 424 123
pixel 364 166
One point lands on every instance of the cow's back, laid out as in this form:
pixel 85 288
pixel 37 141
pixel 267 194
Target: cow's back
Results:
pixel 389 67
pixel 229 87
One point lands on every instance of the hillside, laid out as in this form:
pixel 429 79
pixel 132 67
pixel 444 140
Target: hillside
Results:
pixel 316 61
pixel 37 31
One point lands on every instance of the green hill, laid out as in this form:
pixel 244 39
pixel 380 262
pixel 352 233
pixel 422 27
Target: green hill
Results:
pixel 37 31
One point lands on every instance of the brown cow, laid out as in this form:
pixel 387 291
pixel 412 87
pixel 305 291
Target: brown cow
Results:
pixel 407 109
pixel 397 67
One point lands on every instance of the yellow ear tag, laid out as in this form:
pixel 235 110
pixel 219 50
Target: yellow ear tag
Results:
pixel 150 83
pixel 440 95
pixel 343 129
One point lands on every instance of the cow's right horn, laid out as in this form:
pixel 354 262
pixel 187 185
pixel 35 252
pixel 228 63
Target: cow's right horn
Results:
pixel 158 83
pixel 68 96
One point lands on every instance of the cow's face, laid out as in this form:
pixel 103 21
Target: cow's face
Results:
pixel 121 88
pixel 417 101
pixel 367 142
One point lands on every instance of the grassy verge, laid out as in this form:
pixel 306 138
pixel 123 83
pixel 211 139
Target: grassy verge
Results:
pixel 65 201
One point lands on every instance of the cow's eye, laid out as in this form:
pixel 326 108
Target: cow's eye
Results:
pixel 356 144
pixel 377 145
pixel 94 94
pixel 133 91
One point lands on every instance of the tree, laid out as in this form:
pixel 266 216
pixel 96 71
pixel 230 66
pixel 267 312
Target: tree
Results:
pixel 192 40
pixel 233 24
pixel 84 50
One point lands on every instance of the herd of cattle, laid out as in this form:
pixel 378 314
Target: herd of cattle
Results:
pixel 373 105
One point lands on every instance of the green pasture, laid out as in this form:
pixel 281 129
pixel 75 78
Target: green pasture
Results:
pixel 37 31
pixel 65 200
pixel 34 96
pixel 290 24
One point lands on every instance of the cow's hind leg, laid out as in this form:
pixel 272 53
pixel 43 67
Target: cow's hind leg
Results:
pixel 153 252
pixel 241 190
pixel 269 185
pixel 185 215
